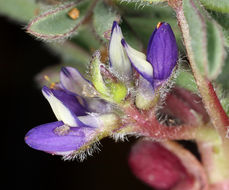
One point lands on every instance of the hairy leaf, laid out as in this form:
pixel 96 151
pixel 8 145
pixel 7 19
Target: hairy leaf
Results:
pixel 223 20
pixel 143 27
pixel 145 1
pixel 132 8
pixel 186 80
pixel 103 18
pixel 206 39
pixel 217 5
pixel 56 23
pixel 72 55
pixel 20 10
pixel 223 77
pixel 86 38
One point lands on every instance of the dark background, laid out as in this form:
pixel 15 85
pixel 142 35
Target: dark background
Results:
pixel 24 107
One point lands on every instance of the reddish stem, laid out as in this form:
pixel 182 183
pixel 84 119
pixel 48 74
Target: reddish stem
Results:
pixel 211 102
pixel 217 106
pixel 150 126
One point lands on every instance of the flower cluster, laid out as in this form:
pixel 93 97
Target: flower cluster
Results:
pixel 88 110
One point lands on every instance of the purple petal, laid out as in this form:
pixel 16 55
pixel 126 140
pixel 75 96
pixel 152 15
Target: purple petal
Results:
pixel 57 137
pixel 162 51
pixel 72 80
pixel 138 60
pixel 119 61
pixel 65 106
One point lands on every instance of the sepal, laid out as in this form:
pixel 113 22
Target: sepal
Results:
pixel 109 89
pixel 96 76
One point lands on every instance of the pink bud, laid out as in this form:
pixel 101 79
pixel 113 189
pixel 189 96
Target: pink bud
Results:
pixel 160 168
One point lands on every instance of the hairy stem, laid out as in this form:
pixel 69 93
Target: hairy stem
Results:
pixel 214 153
pixel 217 115
pixel 148 125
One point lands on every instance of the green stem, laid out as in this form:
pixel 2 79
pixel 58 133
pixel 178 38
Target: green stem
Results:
pixel 213 156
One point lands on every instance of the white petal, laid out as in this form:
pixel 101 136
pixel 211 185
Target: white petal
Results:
pixel 138 60
pixel 65 107
pixel 118 58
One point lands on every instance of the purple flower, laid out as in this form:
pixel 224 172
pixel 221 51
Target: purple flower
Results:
pixel 73 81
pixel 87 110
pixel 75 127
pixel 162 51
pixel 58 138
pixel 162 55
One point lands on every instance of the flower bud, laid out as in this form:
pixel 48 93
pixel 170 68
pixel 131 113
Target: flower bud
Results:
pixel 162 52
pixel 155 165
pixel 167 166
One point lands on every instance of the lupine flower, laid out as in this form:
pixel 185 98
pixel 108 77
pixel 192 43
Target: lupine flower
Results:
pixel 75 127
pixel 88 110
pixel 161 58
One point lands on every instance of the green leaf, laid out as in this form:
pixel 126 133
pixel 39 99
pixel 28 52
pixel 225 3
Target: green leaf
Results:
pixel 146 2
pixel 223 20
pixel 143 27
pixel 186 80
pixel 206 39
pixel 20 10
pixel 72 55
pixel 131 37
pixel 132 8
pixel 217 5
pixel 86 38
pixel 103 18
pixel 56 24
pixel 215 49
pixel 142 21
pixel 223 77
pixel 225 103
pixel 77 51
